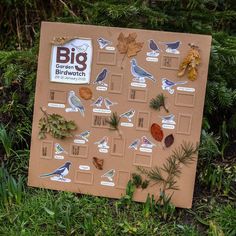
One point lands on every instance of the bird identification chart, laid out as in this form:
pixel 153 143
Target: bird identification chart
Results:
pixel 112 104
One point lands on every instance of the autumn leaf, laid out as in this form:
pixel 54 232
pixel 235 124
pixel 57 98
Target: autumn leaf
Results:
pixel 169 140
pixel 98 163
pixel 157 132
pixel 122 45
pixel 128 45
pixel 134 48
pixel 190 62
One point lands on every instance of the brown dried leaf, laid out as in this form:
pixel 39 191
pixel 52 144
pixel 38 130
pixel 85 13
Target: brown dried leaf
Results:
pixel 61 40
pixel 128 45
pixel 131 38
pixel 157 132
pixel 191 61
pixel 86 93
pixel 122 44
pixel 134 48
pixel 192 74
pixel 169 140
pixel 98 163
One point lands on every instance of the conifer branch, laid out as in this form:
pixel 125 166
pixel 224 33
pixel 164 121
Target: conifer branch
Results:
pixel 158 102
pixel 171 170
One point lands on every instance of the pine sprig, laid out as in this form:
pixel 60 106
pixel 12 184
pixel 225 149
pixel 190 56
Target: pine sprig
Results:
pixel 114 121
pixel 56 125
pixel 171 170
pixel 158 102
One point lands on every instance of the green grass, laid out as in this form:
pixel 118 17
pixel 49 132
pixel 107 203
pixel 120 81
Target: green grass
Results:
pixel 31 211
pixel 44 212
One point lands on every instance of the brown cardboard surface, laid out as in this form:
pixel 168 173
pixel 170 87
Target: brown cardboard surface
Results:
pixel 187 107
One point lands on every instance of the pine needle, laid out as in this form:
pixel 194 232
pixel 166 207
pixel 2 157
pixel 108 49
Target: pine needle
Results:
pixel 158 102
pixel 172 169
pixel 114 121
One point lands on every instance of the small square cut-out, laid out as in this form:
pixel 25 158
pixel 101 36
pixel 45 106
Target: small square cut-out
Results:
pixel 100 121
pixel 106 58
pixel 184 124
pixel 78 150
pixel 122 179
pixel 118 147
pixel 46 149
pixel 184 99
pixel 57 96
pixel 170 62
pixel 116 83
pixel 142 120
pixel 83 177
pixel 142 159
pixel 137 95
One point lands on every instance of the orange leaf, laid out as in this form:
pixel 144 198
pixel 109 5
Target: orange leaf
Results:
pixel 157 132
pixel 98 163
pixel 191 61
pixel 192 74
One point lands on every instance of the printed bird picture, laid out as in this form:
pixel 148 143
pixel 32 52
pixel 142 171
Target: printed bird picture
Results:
pixel 81 48
pixel 75 103
pixel 140 75
pixel 84 135
pixel 108 103
pixel 109 175
pixel 169 119
pixel 59 149
pixel 98 102
pixel 59 173
pixel 101 77
pixel 155 50
pixel 128 114
pixel 102 143
pixel 134 145
pixel 172 47
pixel 103 42
pixel 168 84
pixel 145 142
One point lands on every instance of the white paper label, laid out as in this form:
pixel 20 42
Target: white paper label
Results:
pixel 56 105
pixel 172 122
pixel 58 157
pixel 145 149
pixel 105 183
pixel 165 126
pixel 152 59
pixel 186 89
pixel 140 85
pixel 101 88
pixel 125 124
pixel 59 179
pixel 71 62
pixel 80 141
pixel 110 48
pixel 83 167
pixel 96 110
pixel 103 150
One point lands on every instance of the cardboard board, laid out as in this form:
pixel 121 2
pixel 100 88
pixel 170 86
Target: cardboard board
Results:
pixel 72 56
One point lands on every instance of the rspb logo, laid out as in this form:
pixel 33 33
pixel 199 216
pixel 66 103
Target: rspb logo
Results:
pixel 71 62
